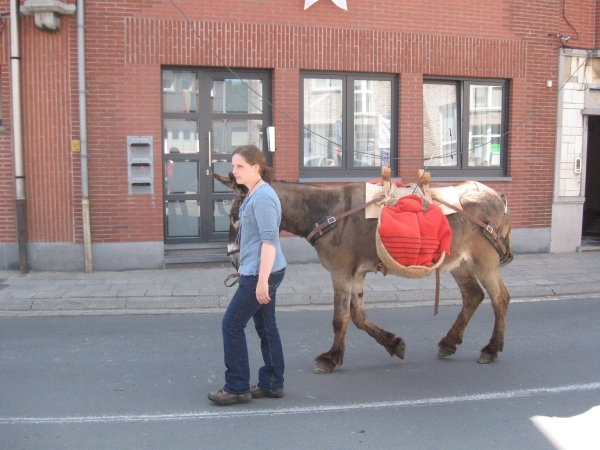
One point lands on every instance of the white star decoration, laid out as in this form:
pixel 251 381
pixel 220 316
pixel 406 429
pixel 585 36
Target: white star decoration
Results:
pixel 340 3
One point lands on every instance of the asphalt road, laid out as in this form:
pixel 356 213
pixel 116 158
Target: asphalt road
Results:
pixel 140 382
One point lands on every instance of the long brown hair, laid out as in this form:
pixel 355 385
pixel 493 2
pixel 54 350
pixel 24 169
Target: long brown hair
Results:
pixel 253 155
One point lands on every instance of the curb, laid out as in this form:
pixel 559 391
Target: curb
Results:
pixel 37 307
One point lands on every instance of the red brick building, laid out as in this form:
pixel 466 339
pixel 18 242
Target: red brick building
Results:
pixel 505 92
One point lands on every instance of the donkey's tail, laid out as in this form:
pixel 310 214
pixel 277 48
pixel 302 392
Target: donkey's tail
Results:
pixel 508 256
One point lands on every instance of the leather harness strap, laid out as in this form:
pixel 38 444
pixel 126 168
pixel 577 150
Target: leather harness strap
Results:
pixel 489 231
pixel 329 222
pixel 436 303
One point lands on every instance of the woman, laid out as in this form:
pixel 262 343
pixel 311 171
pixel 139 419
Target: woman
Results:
pixel 262 268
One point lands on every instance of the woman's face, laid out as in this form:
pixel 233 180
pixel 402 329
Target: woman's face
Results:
pixel 243 172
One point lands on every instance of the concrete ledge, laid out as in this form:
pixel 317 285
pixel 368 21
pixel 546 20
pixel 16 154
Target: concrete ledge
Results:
pixel 9 257
pixel 530 240
pixel 56 257
pixel 530 291
pixel 576 288
pixel 173 302
pixel 77 304
pixel 22 304
pixel 128 256
pixel 390 297
pixel 296 299
pixel 298 251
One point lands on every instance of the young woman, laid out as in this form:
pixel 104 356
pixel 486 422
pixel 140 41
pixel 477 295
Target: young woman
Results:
pixel 262 268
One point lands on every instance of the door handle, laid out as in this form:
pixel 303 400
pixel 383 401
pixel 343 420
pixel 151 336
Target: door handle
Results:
pixel 209 153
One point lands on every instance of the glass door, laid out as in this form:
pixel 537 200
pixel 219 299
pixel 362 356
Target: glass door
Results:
pixel 202 128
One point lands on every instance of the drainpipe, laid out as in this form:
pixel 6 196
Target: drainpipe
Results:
pixel 17 136
pixel 85 201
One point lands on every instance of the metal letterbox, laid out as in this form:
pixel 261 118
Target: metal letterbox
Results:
pixel 140 165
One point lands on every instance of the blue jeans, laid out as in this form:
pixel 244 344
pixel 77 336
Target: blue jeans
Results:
pixel 244 306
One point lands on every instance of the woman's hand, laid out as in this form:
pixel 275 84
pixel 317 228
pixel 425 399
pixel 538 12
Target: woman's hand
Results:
pixel 267 258
pixel 262 291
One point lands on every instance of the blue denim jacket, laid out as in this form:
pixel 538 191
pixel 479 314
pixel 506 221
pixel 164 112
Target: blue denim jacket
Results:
pixel 260 216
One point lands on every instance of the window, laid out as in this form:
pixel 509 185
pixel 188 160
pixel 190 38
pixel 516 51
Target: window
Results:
pixel 346 124
pixel 179 91
pixel 465 127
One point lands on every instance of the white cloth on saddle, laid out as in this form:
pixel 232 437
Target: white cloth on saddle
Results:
pixel 449 194
pixel 372 190
pixel 454 194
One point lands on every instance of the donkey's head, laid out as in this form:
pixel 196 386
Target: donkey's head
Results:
pixel 233 248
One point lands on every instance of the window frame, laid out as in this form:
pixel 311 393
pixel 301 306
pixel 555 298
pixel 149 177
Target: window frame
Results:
pixel 463 102
pixel 348 169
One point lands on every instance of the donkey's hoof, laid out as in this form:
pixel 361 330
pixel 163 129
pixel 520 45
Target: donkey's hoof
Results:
pixel 444 352
pixel 323 367
pixel 487 358
pixel 400 348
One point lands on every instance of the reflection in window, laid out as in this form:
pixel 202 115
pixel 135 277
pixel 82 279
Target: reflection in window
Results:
pixel 485 118
pixel 227 135
pixel 326 84
pixel 221 215
pixel 181 136
pixel 439 124
pixel 372 122
pixel 181 177
pixel 322 121
pixel 183 218
pixel 237 96
pixel 180 91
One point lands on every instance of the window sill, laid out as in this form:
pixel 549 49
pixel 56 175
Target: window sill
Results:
pixel 435 179
pixel 340 179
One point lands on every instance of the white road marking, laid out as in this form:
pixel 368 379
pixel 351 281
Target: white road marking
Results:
pixel 230 413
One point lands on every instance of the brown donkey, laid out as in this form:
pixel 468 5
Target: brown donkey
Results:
pixel 348 252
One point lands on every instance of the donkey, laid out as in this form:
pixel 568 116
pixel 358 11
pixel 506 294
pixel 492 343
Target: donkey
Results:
pixel 348 252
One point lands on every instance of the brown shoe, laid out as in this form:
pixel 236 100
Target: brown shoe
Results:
pixel 260 393
pixel 222 397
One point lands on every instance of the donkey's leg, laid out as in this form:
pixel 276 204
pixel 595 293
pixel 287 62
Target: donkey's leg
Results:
pixel 342 290
pixel 472 295
pixel 491 280
pixel 393 344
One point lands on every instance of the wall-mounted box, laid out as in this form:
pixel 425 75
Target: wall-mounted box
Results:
pixel 140 170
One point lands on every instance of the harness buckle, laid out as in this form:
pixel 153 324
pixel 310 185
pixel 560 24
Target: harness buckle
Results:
pixel 321 227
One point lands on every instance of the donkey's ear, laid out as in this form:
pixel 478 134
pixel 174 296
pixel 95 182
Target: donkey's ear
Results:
pixel 225 180
pixel 230 182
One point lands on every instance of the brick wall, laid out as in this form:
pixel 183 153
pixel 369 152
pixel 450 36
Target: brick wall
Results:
pixel 47 114
pixel 286 98
pixel 410 126
pixel 7 204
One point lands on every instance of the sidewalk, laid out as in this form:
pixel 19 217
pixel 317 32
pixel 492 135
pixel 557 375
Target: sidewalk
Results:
pixel 199 290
